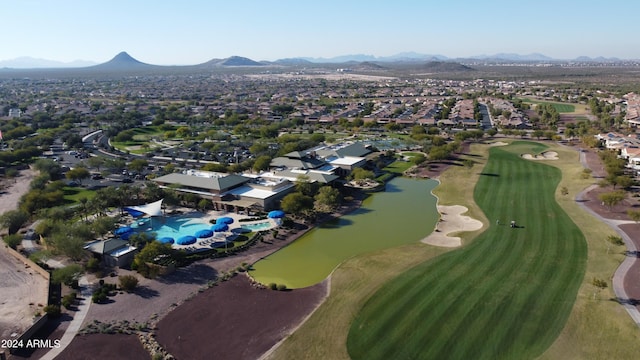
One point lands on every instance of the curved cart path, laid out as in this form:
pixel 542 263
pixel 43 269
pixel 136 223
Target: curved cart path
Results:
pixel 626 280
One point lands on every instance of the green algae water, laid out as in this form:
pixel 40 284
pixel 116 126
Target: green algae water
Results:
pixel 403 214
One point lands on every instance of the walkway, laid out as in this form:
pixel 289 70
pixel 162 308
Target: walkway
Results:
pixel 629 261
pixel 76 323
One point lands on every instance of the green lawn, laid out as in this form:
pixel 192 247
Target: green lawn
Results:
pixel 398 167
pixel 597 328
pixel 561 107
pixel 72 195
pixel 508 294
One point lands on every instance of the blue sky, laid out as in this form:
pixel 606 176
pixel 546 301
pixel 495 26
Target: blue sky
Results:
pixel 194 31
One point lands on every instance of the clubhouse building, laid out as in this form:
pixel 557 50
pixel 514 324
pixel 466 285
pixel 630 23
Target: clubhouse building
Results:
pixel 245 192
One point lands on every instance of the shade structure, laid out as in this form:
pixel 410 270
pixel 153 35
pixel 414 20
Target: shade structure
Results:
pixel 224 220
pixel 133 212
pixel 166 240
pixel 275 214
pixel 205 233
pixel 123 230
pixel 186 240
pixel 220 227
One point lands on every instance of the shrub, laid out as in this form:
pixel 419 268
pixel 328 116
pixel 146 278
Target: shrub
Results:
pixel 52 310
pixel 273 286
pixel 128 282
pixel 615 240
pixel 282 287
pixel 599 283
pixel 12 240
pixel 92 265
pixel 68 300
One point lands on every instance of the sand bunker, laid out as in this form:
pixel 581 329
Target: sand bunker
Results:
pixel 547 155
pixel 451 221
pixel 498 143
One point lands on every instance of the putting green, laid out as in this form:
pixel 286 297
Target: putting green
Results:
pixel 507 295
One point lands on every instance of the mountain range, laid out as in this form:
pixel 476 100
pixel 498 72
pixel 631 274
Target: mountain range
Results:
pixel 125 61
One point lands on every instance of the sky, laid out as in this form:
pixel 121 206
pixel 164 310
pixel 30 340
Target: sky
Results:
pixel 188 32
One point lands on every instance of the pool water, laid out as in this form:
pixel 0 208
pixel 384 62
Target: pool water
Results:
pixel 258 226
pixel 173 226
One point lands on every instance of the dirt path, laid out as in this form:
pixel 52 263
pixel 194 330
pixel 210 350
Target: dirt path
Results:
pixel 14 189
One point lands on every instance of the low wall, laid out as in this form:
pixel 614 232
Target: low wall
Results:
pixel 31 331
pixel 29 263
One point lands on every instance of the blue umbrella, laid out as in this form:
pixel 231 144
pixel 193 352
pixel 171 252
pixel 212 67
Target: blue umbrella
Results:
pixel 220 227
pixel 125 236
pixel 186 240
pixel 205 233
pixel 166 240
pixel 224 220
pixel 123 230
pixel 275 214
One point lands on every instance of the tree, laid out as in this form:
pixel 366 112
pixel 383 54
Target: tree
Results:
pixel 296 203
pixel 612 199
pixel 138 165
pixel 96 162
pixel 50 167
pixel 418 159
pixel 13 220
pixel 67 275
pixel 361 174
pixel 77 174
pixel 153 250
pixel 537 134
pixel 624 181
pixel 634 215
pixel 327 199
pixel 262 163
pixel 439 153
pixel 305 186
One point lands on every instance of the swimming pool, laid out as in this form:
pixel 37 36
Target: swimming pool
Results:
pixel 258 226
pixel 172 226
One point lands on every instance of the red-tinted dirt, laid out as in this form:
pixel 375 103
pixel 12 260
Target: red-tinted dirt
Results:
pixel 105 346
pixel 235 320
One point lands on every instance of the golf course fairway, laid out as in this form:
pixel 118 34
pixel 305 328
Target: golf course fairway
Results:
pixel 506 295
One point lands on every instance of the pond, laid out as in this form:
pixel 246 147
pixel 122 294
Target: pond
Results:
pixel 403 214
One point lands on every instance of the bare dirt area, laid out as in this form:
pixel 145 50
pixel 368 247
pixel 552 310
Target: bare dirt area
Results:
pixel 23 293
pixel 12 189
pixel 236 320
pixel 105 346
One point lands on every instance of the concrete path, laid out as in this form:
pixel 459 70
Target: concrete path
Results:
pixel 621 272
pixel 84 302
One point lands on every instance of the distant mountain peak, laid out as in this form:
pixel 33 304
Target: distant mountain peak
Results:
pixel 123 61
pixel 27 62
pixel 232 61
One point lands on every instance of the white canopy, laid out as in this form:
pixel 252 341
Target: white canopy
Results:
pixel 151 209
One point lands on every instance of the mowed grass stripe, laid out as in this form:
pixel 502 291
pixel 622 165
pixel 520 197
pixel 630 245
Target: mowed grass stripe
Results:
pixel 506 295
